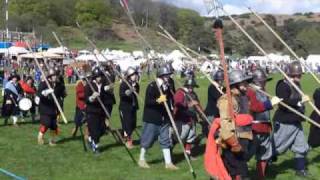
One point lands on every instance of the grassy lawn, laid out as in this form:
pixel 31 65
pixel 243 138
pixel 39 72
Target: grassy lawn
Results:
pixel 19 152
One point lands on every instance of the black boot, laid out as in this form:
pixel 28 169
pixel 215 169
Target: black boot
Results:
pixel 300 164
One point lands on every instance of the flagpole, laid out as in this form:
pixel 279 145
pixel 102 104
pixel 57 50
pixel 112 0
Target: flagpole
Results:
pixel 7 19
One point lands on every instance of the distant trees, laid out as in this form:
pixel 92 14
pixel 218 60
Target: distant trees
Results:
pixel 98 16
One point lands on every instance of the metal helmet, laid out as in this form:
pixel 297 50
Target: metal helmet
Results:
pixel 162 71
pixel 294 68
pixel 218 76
pixel 57 70
pixel 169 66
pixel 191 83
pixel 51 72
pixel 260 76
pixel 130 71
pixel 237 76
pixel 96 72
pixel 109 63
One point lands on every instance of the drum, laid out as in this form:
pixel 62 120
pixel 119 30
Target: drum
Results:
pixel 25 104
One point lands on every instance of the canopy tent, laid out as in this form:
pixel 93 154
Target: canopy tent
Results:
pixel 41 47
pixel 90 57
pixel 129 62
pixel 41 55
pixel 137 54
pixel 5 45
pixel 4 51
pixel 14 51
pixel 58 50
pixel 313 61
pixel 178 65
pixel 175 55
pixel 84 52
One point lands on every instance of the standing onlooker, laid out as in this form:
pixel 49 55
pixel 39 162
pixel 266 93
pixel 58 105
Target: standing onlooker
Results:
pixel 69 72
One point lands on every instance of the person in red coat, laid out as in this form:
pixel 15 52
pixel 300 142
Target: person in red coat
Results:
pixel 260 108
pixel 185 100
pixel 80 105
pixel 29 91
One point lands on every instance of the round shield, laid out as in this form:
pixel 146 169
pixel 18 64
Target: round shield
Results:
pixel 25 104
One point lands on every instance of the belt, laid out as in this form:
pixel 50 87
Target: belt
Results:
pixel 261 122
pixel 244 128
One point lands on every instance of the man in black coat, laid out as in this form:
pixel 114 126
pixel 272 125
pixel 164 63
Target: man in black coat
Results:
pixel 313 139
pixel 47 108
pixel 288 129
pixel 60 90
pixel 108 97
pixel 214 94
pixel 156 120
pixel 95 114
pixel 129 105
pixel 12 95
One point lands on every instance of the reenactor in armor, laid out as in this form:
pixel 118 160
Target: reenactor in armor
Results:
pixel 129 105
pixel 288 129
pixel 156 122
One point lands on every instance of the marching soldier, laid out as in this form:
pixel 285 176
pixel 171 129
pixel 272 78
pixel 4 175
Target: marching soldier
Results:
pixel 172 87
pixel 80 104
pixel 313 139
pixel 30 91
pixel 260 106
pixel 61 88
pixel 235 134
pixel 288 130
pixel 186 103
pixel 95 114
pixel 108 97
pixel 129 105
pixel 12 94
pixel 47 108
pixel 156 120
pixel 214 94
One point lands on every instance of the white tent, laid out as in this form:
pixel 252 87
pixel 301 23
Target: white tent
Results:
pixel 90 57
pixel 207 67
pixel 3 51
pixel 271 58
pixel 175 55
pixel 15 51
pixel 137 54
pixel 129 62
pixel 40 55
pixel 84 52
pixel 313 61
pixel 178 65
pixel 58 50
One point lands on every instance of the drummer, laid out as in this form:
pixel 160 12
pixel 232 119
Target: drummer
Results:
pixel 29 92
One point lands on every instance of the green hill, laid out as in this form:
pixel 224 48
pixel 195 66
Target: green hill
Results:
pixel 105 22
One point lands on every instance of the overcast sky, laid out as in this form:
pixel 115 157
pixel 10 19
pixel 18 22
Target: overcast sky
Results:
pixel 262 6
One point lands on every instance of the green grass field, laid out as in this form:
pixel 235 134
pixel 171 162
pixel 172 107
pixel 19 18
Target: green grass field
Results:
pixel 20 154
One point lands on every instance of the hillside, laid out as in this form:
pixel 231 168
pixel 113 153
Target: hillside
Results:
pixel 281 19
pixel 105 22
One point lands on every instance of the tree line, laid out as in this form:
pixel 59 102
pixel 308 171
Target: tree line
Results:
pixel 98 16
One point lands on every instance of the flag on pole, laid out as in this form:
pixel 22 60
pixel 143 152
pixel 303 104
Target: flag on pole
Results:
pixel 124 4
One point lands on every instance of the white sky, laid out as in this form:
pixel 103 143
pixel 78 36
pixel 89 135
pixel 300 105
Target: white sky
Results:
pixel 262 6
